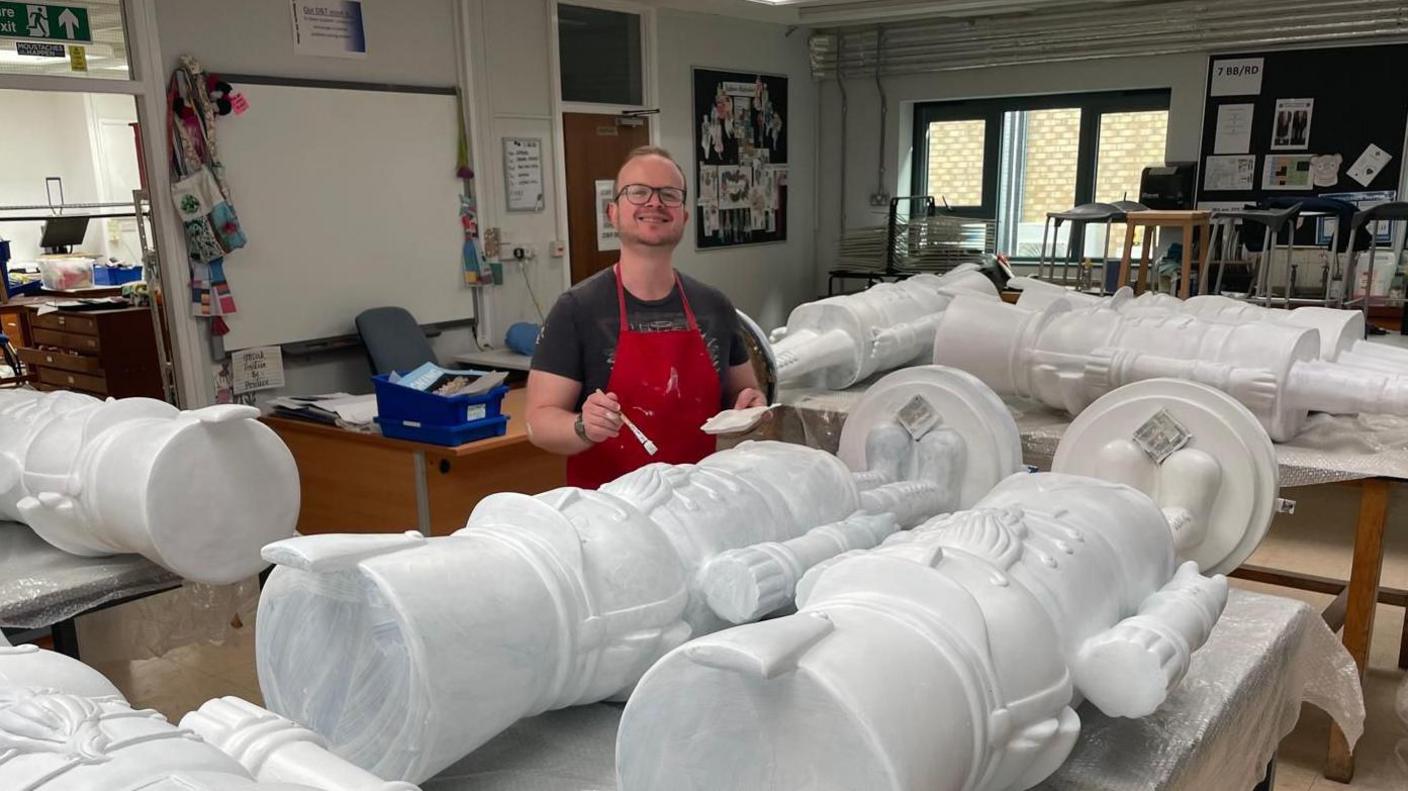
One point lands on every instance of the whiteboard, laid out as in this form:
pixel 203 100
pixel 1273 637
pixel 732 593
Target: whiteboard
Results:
pixel 349 200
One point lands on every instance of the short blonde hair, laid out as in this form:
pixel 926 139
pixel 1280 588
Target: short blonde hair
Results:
pixel 649 151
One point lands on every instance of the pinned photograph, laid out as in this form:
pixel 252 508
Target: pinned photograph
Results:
pixel 735 184
pixel 1290 128
pixel 1286 172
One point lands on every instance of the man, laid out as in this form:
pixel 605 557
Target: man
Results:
pixel 640 341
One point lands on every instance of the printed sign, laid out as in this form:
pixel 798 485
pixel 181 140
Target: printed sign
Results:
pixel 1237 76
pixel 43 22
pixel 606 236
pixel 331 28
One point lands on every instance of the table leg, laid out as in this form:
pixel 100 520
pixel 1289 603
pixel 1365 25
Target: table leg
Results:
pixel 1206 256
pixel 1190 248
pixel 1128 254
pixel 1145 254
pixel 65 634
pixel 422 494
pixel 1362 602
pixel 1269 784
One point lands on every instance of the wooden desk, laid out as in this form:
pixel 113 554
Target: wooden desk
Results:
pixel 355 482
pixel 1189 221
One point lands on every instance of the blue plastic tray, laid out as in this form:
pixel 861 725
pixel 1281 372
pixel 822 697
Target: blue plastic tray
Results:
pixel 444 435
pixel 116 275
pixel 395 402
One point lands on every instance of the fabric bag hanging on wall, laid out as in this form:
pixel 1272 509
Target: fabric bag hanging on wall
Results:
pixel 198 188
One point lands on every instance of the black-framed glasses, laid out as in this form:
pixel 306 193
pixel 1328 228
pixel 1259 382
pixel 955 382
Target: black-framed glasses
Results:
pixel 639 194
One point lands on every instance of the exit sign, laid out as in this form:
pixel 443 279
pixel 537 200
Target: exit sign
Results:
pixel 44 22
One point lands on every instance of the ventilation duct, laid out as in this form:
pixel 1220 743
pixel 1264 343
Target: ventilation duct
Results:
pixel 1155 28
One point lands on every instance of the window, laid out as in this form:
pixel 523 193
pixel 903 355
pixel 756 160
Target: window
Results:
pixel 1018 159
pixel 600 56
pixel 956 161
pixel 97 24
pixel 1129 142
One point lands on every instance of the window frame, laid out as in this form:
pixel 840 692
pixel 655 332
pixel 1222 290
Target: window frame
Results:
pixel 1093 107
pixel 646 15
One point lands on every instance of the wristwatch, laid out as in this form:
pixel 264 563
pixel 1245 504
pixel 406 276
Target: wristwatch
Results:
pixel 581 429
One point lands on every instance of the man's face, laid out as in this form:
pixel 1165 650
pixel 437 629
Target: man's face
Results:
pixel 653 224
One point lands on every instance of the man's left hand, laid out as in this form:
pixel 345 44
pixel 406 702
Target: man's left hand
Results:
pixel 750 397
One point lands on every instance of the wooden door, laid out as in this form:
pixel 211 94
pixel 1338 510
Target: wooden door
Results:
pixel 595 147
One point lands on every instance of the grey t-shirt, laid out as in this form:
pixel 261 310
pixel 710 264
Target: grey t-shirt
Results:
pixel 578 339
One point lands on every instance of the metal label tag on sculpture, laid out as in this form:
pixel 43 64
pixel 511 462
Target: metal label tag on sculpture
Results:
pixel 950 657
pixel 197 492
pixel 408 652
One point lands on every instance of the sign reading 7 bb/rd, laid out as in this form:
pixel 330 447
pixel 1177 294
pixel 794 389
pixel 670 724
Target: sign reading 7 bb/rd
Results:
pixel 43 22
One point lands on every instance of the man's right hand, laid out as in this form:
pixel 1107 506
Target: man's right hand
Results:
pixel 601 416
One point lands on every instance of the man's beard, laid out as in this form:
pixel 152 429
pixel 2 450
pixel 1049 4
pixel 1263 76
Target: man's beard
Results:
pixel 670 239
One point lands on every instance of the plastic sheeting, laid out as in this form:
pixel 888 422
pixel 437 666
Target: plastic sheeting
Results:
pixel 1218 729
pixel 1330 448
pixel 41 586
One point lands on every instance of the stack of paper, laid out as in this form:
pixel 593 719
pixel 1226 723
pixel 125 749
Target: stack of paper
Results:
pixel 329 408
pixel 431 378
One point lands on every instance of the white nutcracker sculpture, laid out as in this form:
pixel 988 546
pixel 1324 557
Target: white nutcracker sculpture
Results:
pixel 198 492
pixel 407 653
pixel 1342 336
pixel 63 727
pixel 838 341
pixel 1067 358
pixel 951 658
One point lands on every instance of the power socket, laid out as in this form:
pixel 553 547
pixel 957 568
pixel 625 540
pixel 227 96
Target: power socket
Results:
pixel 879 199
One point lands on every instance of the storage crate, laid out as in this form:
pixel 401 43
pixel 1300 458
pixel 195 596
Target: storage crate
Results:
pixel 395 402
pixel 443 435
pixel 115 275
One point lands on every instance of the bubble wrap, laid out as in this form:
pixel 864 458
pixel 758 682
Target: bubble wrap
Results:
pixel 41 586
pixel 1218 729
pixel 1330 448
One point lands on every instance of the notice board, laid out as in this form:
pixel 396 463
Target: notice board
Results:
pixel 1304 122
pixel 740 151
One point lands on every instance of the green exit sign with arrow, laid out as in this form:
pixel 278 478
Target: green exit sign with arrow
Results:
pixel 43 22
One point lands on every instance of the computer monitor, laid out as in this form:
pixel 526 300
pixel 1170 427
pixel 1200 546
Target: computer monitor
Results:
pixel 61 233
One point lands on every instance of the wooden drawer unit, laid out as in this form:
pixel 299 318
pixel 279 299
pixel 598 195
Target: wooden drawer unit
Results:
pixel 79 323
pixel 66 340
pixel 12 324
pixel 88 383
pixel 53 358
pixel 101 352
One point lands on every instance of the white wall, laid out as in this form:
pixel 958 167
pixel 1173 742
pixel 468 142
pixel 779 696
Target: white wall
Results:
pixel 513 95
pixel 1185 75
pixel 765 281
pixel 409 42
pixel 514 90
pixel 46 134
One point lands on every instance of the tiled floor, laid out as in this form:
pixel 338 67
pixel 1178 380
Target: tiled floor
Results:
pixel 1316 540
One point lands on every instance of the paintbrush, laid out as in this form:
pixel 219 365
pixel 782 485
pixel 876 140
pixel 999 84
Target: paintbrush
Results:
pixel 640 435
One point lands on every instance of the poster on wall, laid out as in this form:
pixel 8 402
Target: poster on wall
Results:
pixel 606 236
pixel 740 150
pixel 328 28
pixel 1285 172
pixel 523 173
pixel 1290 128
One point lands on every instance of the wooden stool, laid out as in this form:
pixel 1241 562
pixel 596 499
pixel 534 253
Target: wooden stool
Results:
pixel 1189 221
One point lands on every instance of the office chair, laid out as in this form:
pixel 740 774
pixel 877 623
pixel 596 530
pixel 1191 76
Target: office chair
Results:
pixel 394 341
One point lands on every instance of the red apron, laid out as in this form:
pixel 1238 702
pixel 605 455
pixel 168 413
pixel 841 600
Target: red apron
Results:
pixel 668 386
